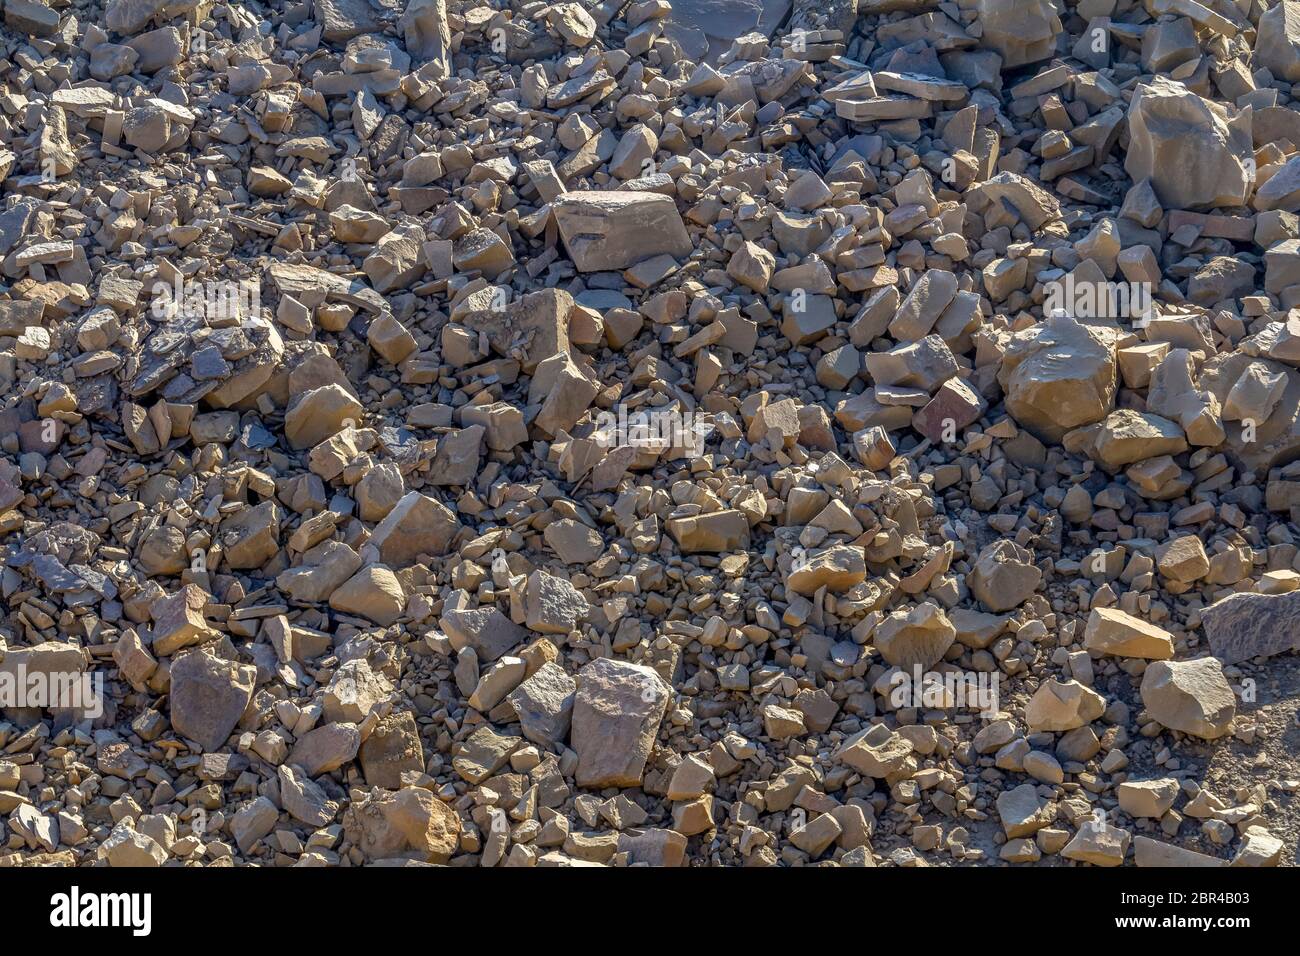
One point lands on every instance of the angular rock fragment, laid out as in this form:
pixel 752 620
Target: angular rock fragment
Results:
pixel 616 714
pixel 1191 696
pixel 615 229
pixel 208 697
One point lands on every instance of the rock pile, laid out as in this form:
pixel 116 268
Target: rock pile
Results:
pixel 649 432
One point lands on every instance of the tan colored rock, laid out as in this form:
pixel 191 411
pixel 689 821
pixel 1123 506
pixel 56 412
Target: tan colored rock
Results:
pixel 1258 848
pixel 1112 631
pixel 1063 705
pixel 208 696
pixel 751 265
pixel 1058 376
pixel 1126 436
pixel 325 748
pixel 877 752
pixel 837 568
pixel 179 622
pixel 1021 32
pixel 1193 151
pixel 393 748
pixel 1183 559
pixel 717 532
pixel 251 537
pixel 355 692
pixel 1149 852
pixel 318 414
pixel 616 715
pixel 1191 696
pixel 552 605
pixel 1098 845
pixel 1023 812
pixel 1147 798
pixel 374 593
pixel 1277 48
pixel 611 230
pixel 544 704
pixel 417 525
pixel 1003 576
pixel 919 635
pixel 456 462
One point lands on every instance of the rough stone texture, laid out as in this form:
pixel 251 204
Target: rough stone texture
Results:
pixel 616 229
pixel 616 714
pixel 1193 151
pixel 1242 626
pixel 1191 696
pixel 208 696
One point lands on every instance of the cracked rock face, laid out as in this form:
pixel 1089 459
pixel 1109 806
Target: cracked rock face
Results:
pixel 669 432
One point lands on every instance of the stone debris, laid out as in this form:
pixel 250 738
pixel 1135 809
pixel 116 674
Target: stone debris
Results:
pixel 679 432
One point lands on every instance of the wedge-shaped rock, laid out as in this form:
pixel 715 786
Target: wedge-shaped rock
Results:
pixel 417 525
pixel 1277 47
pixel 544 703
pixel 320 413
pixel 373 592
pixel 1112 631
pixel 178 620
pixel 485 629
pixel 1149 852
pixel 1023 812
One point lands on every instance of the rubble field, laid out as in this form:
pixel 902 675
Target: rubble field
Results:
pixel 667 432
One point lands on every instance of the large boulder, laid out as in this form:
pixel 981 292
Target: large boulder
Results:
pixel 1020 31
pixel 610 230
pixel 1277 46
pixel 208 696
pixel 1058 376
pixel 705 29
pixel 1191 696
pixel 1243 626
pixel 616 715
pixel 1195 152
